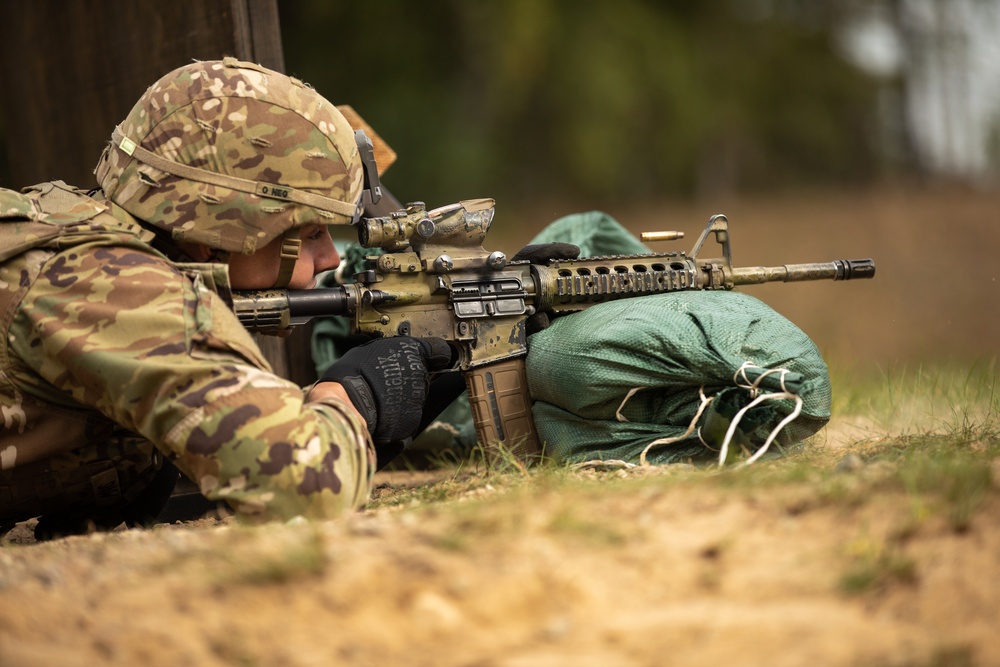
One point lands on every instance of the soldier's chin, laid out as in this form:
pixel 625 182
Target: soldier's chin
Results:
pixel 284 334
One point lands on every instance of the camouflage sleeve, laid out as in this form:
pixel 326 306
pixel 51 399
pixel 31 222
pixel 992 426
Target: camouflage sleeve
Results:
pixel 124 332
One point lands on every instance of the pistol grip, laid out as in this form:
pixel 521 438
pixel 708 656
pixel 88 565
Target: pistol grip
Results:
pixel 501 409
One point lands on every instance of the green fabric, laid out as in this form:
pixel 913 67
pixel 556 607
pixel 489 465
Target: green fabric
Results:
pixel 669 346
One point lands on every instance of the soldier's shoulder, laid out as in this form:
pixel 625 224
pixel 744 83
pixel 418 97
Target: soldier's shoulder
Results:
pixel 47 214
pixel 59 202
pixel 51 202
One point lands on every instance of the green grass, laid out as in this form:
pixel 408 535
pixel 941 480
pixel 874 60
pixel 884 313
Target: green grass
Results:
pixel 951 399
pixel 941 474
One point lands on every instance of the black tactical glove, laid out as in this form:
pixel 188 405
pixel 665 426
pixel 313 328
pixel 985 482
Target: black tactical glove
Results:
pixel 444 389
pixel 387 381
pixel 542 253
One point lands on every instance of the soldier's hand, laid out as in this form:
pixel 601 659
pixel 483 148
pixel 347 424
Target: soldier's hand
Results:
pixel 387 381
pixel 540 253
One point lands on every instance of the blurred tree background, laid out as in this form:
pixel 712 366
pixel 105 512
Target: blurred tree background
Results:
pixel 605 101
pixel 601 102
pixel 823 128
pixel 788 115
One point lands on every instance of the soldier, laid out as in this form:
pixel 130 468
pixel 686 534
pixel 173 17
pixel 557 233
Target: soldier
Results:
pixel 120 357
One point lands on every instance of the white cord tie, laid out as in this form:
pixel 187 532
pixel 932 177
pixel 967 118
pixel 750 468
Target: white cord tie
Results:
pixel 705 401
pixel 631 392
pixel 742 380
pixel 757 399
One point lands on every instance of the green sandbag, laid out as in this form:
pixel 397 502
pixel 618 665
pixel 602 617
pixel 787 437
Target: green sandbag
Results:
pixel 595 232
pixel 667 347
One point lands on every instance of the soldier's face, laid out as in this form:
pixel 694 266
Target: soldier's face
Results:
pixel 260 270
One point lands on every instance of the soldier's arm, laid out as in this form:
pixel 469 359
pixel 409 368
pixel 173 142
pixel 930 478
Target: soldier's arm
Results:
pixel 125 333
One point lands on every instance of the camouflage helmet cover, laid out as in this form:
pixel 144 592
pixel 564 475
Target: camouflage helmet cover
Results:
pixel 232 155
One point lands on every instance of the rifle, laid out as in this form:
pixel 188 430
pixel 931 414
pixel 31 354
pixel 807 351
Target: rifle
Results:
pixel 435 279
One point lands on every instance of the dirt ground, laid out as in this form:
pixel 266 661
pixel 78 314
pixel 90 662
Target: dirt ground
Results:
pixel 662 566
pixel 606 568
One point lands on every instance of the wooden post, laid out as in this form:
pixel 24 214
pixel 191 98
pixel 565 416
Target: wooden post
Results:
pixel 72 69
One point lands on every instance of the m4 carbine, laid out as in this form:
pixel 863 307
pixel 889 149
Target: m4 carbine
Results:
pixel 436 280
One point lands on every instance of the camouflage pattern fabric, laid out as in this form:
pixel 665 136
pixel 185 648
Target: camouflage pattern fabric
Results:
pixel 244 123
pixel 106 341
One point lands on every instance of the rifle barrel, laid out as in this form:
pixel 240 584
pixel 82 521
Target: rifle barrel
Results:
pixel 839 269
pixel 309 303
pixel 274 311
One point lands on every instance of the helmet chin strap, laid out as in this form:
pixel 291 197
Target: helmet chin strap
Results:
pixel 290 246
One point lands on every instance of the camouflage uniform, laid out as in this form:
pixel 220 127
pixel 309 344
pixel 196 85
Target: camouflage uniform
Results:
pixel 114 354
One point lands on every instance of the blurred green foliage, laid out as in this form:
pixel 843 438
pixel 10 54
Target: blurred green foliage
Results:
pixel 593 99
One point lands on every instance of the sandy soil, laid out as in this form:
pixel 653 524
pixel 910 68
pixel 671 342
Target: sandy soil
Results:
pixel 643 567
pixel 648 567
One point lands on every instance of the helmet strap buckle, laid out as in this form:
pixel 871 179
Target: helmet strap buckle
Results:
pixel 291 244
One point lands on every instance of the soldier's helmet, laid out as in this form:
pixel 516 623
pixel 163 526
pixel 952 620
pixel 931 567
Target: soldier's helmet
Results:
pixel 232 155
